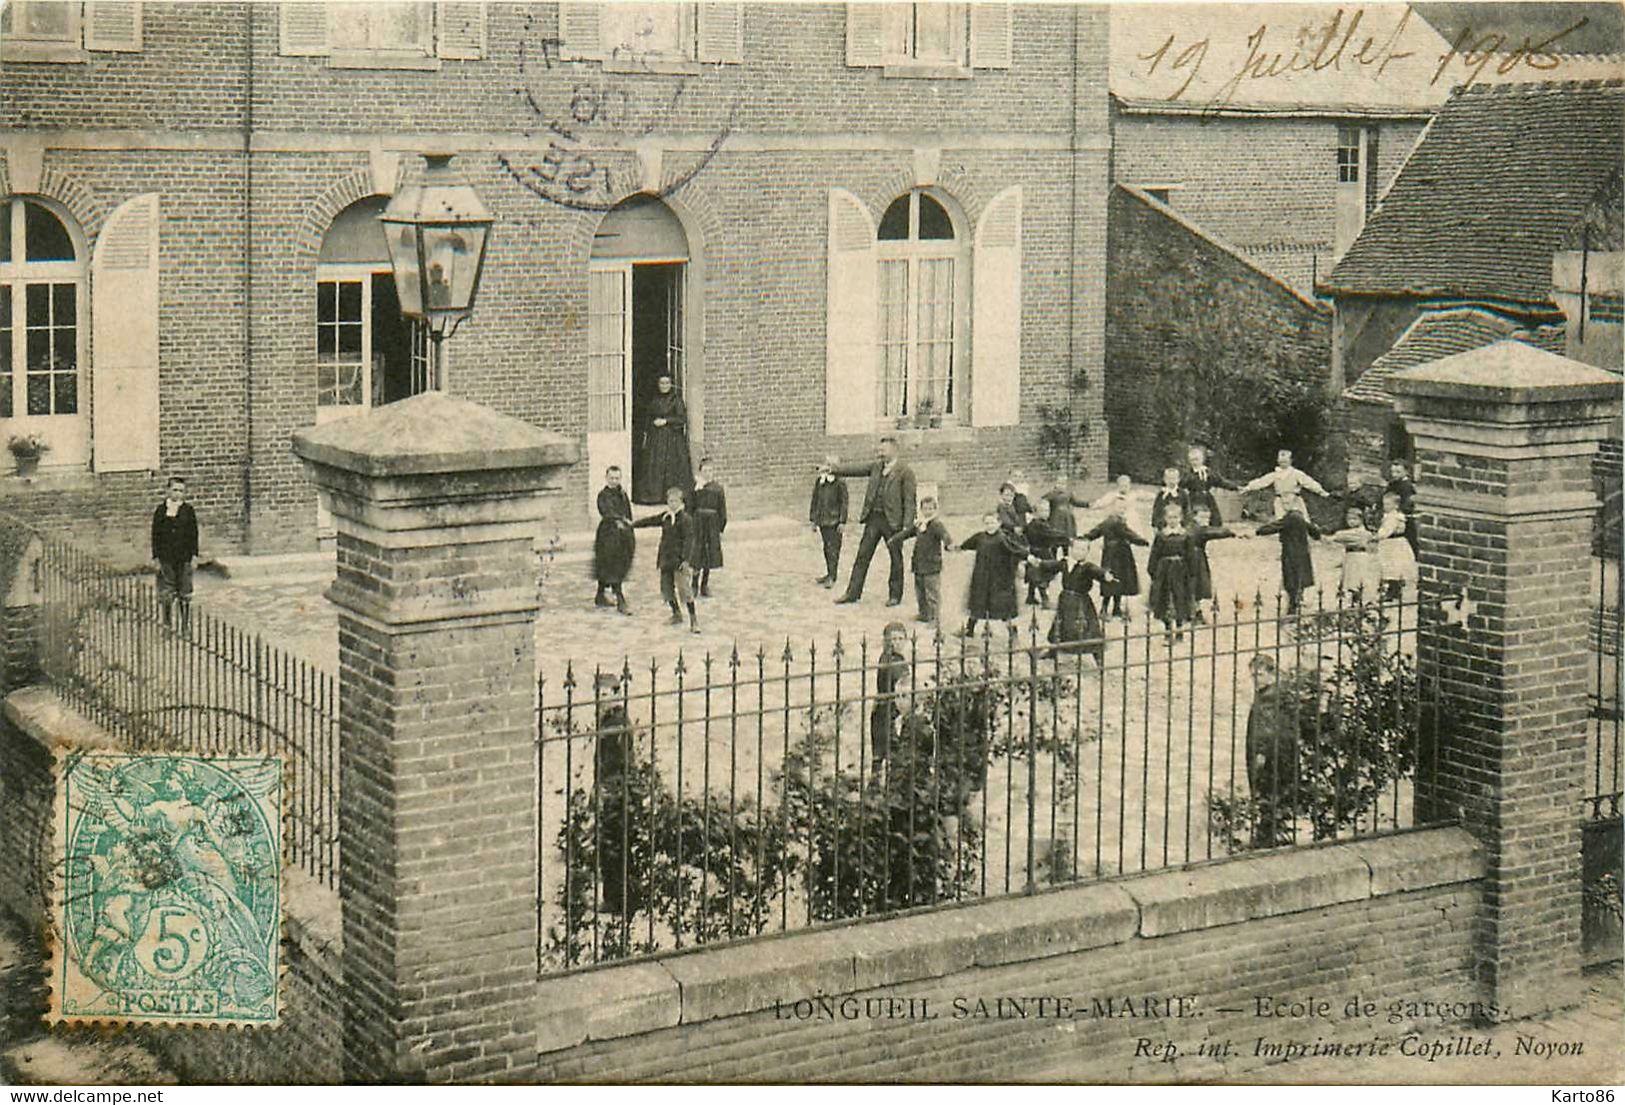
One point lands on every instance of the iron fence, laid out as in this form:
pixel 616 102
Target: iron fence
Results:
pixel 199 685
pixel 1607 634
pixel 730 796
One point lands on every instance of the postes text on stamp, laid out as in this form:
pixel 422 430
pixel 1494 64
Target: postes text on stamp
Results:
pixel 168 901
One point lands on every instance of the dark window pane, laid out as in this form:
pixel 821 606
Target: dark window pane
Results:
pixel 894 224
pixel 67 392
pixel 5 233
pixel 350 300
pixel 327 301
pixel 63 298
pixel 350 340
pixel 39 351
pixel 5 309
pixel 39 304
pixel 934 221
pixel 66 349
pixel 39 394
pixel 47 238
pixel 5 395
pixel 325 338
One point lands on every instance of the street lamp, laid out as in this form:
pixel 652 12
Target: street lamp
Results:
pixel 436 232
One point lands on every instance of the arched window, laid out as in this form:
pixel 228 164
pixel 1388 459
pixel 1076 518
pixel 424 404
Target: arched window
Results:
pixel 923 297
pixel 42 332
pixel 367 354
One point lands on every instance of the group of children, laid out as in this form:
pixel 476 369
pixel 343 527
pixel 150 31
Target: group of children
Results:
pixel 691 530
pixel 1037 534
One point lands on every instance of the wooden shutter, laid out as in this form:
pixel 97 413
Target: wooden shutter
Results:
pixel 863 33
pixel 721 32
pixel 995 363
pixel 849 400
pixel 581 35
pixel 460 30
pixel 113 25
pixel 990 36
pixel 124 333
pixel 304 29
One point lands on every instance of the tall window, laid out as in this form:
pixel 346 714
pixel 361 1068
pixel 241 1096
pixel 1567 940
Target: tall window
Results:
pixel 42 290
pixel 366 353
pixel 922 290
pixel 1349 145
pixel 924 33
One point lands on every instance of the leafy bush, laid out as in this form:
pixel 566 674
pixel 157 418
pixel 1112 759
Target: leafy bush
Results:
pixel 1357 735
pixel 1062 432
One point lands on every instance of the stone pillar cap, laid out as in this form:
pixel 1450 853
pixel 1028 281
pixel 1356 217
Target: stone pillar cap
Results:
pixel 1507 372
pixel 432 433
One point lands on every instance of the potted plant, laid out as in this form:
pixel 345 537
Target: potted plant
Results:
pixel 27 450
pixel 924 414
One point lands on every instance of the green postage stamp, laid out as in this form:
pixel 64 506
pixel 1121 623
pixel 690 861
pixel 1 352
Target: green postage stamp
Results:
pixel 168 903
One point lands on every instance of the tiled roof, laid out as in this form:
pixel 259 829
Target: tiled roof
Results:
pixel 1497 181
pixel 1442 334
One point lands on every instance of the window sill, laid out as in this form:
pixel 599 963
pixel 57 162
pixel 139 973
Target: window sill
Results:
pixel 913 436
pixel 382 59
pixel 66 478
pixel 61 53
pixel 630 63
pixel 937 72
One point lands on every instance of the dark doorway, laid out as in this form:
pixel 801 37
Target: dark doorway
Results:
pixel 657 350
pixel 392 344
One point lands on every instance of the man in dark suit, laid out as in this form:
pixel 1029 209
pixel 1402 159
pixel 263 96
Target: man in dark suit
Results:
pixel 888 509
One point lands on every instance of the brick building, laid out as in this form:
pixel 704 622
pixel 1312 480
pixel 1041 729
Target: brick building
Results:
pixel 814 216
pixel 1261 125
pixel 1203 345
pixel 1505 223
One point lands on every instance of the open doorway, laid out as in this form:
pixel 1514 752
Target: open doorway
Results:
pixel 637 327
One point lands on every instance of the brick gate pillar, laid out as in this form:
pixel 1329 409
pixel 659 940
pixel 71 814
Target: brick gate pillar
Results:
pixel 1504 437
pixel 436 501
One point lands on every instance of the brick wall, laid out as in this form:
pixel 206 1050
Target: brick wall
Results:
pixel 1267 185
pixel 1182 308
pixel 237 309
pixel 1384 919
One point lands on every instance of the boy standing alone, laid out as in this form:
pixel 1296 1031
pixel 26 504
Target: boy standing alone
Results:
pixel 174 545
pixel 827 515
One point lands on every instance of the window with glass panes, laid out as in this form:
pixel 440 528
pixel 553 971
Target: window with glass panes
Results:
pixel 340 343
pixel 920 289
pixel 42 283
pixel 1348 155
pixel 926 33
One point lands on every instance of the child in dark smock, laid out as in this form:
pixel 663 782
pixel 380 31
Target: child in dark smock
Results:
pixel 1117 558
pixel 1169 567
pixel 709 504
pixel 993 575
pixel 1297 570
pixel 1046 543
pixel 1076 628
pixel 1201 571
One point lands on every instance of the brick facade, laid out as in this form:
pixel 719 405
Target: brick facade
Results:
pixel 1268 185
pixel 252 153
pixel 1185 309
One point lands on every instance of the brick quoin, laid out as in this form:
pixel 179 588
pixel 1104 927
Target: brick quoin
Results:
pixel 1505 438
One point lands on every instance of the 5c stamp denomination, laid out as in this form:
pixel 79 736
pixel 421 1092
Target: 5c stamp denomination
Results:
pixel 168 892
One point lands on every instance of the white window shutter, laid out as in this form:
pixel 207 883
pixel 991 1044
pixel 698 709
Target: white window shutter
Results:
pixel 461 29
pixel 304 29
pixel 113 25
pixel 995 363
pixel 864 23
pixel 721 32
pixel 581 34
pixel 124 335
pixel 990 36
pixel 849 380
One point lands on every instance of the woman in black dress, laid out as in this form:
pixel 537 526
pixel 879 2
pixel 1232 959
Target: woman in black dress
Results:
pixel 666 461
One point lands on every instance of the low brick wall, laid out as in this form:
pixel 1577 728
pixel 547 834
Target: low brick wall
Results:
pixel 1385 919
